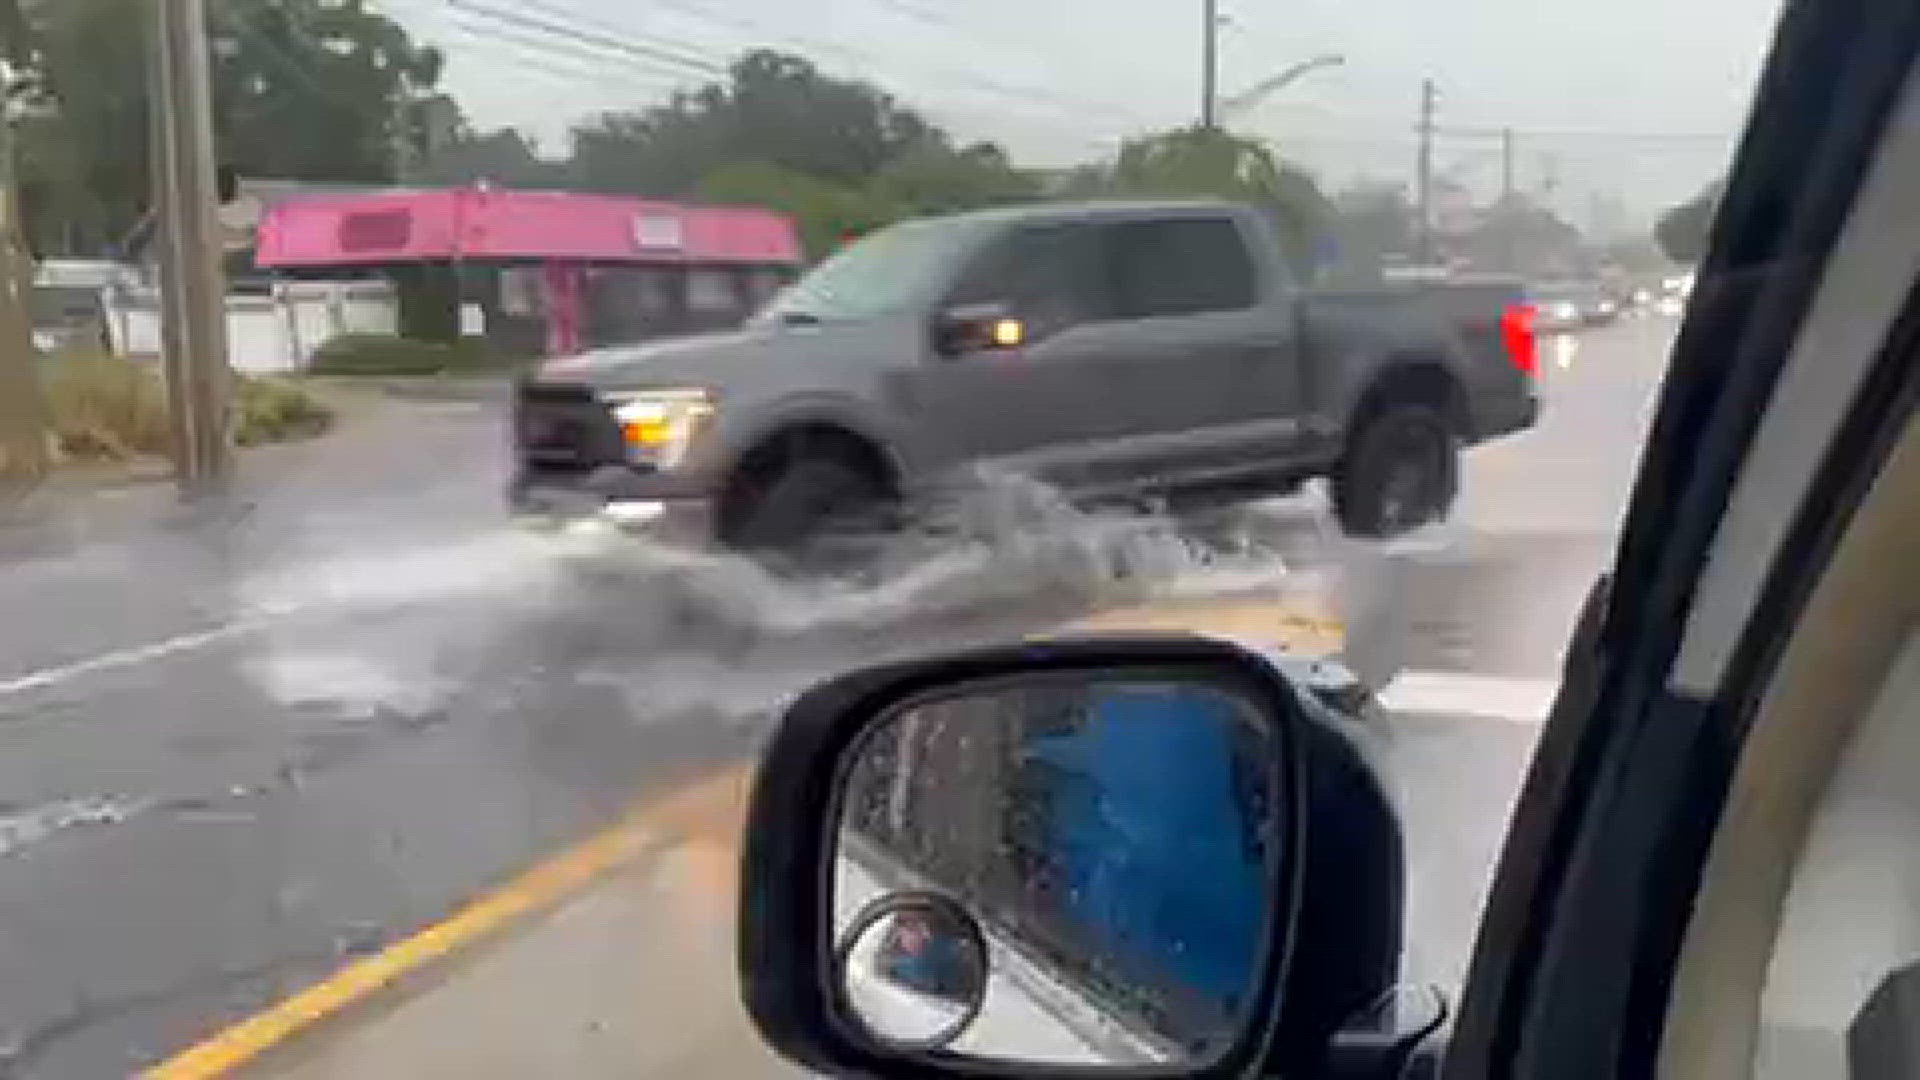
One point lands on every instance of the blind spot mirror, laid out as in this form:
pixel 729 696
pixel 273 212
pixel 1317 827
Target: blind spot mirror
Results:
pixel 913 970
pixel 1060 867
pixel 977 328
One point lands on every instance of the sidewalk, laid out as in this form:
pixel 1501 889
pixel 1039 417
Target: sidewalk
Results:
pixel 635 975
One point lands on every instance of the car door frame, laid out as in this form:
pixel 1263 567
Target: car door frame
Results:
pixel 1252 351
pixel 1577 950
pixel 1060 373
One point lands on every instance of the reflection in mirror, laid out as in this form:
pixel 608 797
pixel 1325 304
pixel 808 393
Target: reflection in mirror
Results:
pixel 1111 834
pixel 913 970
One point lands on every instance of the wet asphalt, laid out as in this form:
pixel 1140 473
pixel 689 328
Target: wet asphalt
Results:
pixel 243 742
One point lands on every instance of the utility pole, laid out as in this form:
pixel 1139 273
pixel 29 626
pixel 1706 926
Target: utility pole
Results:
pixel 1209 60
pixel 1423 179
pixel 193 313
pixel 23 411
pixel 1506 164
pixel 403 128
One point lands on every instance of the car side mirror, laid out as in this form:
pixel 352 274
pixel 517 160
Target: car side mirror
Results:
pixel 977 328
pixel 1094 854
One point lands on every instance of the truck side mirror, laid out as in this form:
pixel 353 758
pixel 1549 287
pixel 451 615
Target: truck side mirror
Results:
pixel 1103 853
pixel 977 328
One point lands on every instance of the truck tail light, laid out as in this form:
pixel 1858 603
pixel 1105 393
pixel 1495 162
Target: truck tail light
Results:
pixel 1520 339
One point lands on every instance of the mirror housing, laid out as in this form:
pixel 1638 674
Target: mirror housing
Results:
pixel 1331 939
pixel 978 328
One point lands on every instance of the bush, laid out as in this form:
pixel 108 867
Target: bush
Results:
pixel 107 408
pixel 276 410
pixel 386 354
pixel 112 409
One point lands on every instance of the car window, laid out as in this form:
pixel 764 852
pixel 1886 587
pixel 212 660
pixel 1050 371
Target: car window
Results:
pixel 1180 267
pixel 1050 276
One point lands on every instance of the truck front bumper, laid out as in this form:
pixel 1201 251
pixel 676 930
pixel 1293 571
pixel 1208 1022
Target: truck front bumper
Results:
pixel 632 500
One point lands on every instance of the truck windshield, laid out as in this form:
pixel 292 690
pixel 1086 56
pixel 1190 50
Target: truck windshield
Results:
pixel 882 274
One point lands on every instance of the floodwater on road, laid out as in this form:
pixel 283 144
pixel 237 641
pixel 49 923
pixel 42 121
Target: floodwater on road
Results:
pixel 322 752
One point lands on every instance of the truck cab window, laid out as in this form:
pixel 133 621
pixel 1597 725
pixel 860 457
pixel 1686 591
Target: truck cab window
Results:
pixel 1048 275
pixel 1182 266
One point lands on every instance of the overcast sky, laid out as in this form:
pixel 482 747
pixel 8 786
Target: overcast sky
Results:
pixel 1634 102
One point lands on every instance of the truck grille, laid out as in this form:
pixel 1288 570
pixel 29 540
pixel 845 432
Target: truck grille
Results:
pixel 560 426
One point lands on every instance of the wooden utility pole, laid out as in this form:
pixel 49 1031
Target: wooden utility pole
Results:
pixel 1423 180
pixel 193 309
pixel 1209 61
pixel 1506 163
pixel 24 426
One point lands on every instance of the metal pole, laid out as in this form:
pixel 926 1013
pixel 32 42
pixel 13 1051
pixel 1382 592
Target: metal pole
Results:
pixel 1232 105
pixel 23 412
pixel 1209 39
pixel 192 285
pixel 1506 163
pixel 1424 176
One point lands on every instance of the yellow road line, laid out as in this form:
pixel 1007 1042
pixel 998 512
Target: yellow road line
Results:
pixel 544 885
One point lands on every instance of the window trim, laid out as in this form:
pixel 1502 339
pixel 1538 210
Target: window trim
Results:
pixel 992 245
pixel 1233 224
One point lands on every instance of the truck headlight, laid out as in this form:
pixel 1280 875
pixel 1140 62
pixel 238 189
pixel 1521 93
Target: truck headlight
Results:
pixel 658 426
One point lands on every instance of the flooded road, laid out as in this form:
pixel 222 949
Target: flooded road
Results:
pixel 242 744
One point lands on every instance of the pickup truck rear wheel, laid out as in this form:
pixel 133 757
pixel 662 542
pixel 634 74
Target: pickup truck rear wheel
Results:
pixel 792 517
pixel 1401 471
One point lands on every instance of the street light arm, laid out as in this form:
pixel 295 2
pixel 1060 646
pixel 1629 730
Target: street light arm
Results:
pixel 1243 101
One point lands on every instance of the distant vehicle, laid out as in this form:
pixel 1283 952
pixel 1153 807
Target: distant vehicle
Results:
pixel 1108 348
pixel 70 317
pixel 1570 305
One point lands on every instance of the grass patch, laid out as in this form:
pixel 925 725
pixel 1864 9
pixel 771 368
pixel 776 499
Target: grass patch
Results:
pixel 110 409
pixel 389 355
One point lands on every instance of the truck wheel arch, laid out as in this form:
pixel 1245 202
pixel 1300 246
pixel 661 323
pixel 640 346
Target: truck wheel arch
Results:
pixel 1412 379
pixel 798 439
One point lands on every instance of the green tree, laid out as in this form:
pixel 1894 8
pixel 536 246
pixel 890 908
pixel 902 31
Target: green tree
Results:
pixel 824 211
pixel 774 108
pixel 933 178
pixel 1208 161
pixel 314 89
pixel 1373 225
pixel 503 158
pixel 1683 231
pixel 1519 235
pixel 303 89
pixel 839 155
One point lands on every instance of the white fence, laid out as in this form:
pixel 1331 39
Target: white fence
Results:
pixel 265 333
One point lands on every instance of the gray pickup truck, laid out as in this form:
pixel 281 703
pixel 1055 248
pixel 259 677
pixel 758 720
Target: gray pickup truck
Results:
pixel 1109 348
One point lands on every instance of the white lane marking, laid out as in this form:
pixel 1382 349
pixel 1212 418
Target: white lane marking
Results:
pixel 1499 697
pixel 119 658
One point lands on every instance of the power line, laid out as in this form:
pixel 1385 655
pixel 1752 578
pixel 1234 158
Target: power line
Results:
pixel 1478 132
pixel 563 47
pixel 868 59
pixel 1024 92
pixel 562 29
pixel 546 50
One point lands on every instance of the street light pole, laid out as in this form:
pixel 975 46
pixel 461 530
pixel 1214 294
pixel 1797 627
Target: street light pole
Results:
pixel 1209 60
pixel 192 288
pixel 1252 95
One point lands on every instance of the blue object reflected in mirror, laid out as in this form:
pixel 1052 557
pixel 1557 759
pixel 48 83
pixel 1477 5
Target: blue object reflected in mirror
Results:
pixel 1112 836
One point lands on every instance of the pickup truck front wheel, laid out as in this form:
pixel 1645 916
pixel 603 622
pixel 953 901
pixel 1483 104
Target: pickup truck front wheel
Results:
pixel 1401 471
pixel 791 519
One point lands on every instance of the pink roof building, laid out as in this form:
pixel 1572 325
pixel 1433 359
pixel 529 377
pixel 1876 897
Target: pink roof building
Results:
pixel 477 223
